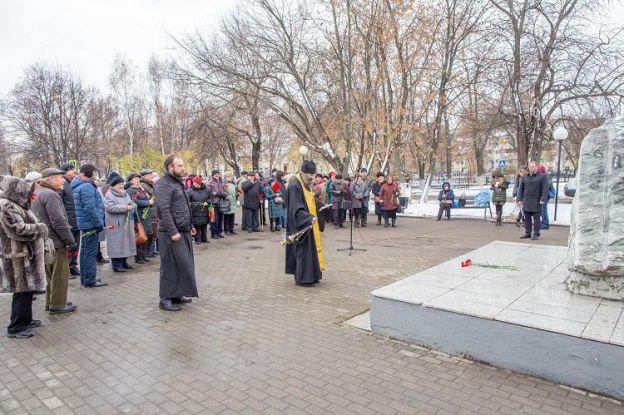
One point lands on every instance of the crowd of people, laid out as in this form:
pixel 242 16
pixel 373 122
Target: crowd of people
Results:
pixel 56 222
pixel 52 224
pixel 532 191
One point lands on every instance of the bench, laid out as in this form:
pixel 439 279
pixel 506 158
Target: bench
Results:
pixel 470 204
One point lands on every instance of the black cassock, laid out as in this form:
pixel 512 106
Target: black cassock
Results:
pixel 177 267
pixel 301 257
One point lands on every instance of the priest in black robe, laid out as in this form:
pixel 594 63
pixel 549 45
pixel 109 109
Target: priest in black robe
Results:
pixel 304 258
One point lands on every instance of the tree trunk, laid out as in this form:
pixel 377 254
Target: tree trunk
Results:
pixel 255 155
pixel 479 160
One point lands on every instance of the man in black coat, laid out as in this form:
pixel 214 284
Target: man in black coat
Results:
pixel 67 195
pixel 252 188
pixel 175 230
pixel 532 195
pixel 304 258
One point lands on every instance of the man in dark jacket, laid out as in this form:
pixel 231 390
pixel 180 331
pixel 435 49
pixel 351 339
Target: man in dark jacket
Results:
pixel 67 196
pixel 252 189
pixel 48 207
pixel 175 230
pixel 90 218
pixel 532 195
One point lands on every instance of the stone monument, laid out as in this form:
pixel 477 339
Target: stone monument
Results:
pixel 596 244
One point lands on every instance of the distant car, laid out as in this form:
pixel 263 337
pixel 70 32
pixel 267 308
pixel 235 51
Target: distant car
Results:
pixel 570 187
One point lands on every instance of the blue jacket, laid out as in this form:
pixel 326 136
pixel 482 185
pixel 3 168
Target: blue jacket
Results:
pixel 89 205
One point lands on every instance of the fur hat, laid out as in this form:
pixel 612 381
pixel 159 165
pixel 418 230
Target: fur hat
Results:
pixel 116 180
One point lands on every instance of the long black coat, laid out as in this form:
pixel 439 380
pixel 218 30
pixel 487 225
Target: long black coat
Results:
pixel 302 257
pixel 199 199
pixel 68 201
pixel 177 267
pixel 533 189
pixel 252 194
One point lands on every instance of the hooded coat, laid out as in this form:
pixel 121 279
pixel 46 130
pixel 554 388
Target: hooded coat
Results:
pixel 22 240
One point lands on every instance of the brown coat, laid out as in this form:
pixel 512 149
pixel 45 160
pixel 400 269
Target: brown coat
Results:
pixel 22 240
pixel 389 194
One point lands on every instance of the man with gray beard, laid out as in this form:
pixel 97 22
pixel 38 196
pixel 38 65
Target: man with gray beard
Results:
pixel 304 258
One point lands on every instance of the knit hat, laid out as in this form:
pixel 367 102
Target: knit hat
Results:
pixel 111 176
pixel 214 172
pixel 197 180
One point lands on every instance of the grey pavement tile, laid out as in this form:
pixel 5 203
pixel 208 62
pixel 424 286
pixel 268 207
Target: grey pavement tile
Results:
pixel 602 324
pixel 238 348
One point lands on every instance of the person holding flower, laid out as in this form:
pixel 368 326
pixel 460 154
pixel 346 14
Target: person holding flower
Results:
pixel 275 196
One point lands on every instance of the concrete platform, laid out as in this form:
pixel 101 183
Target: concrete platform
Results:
pixel 522 320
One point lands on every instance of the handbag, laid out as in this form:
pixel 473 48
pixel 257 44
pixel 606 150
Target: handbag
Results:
pixel 551 192
pixel 139 234
pixel 224 205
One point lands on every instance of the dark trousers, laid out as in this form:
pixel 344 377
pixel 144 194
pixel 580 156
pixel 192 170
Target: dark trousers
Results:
pixel 339 216
pixel 329 216
pixel 444 208
pixel 88 256
pixel 244 219
pixel 216 227
pixel 357 212
pixel 545 221
pixel 21 312
pixel 142 251
pixel 72 255
pixel 251 218
pixel 364 212
pixel 534 219
pixel 228 222
pixel 201 234
pixel 117 263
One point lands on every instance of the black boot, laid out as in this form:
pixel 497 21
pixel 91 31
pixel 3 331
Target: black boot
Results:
pixel 167 305
pixel 272 228
pixel 386 223
pixel 394 222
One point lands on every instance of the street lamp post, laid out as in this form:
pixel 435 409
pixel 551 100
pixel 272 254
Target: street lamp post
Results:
pixel 303 150
pixel 560 134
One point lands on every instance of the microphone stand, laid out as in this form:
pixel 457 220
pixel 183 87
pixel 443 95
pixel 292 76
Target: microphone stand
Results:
pixel 351 248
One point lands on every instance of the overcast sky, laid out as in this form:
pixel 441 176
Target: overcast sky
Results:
pixel 84 36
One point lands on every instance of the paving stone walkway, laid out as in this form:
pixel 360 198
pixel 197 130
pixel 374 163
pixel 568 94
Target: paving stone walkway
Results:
pixel 255 343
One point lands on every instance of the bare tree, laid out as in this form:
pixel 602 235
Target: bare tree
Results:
pixel 554 60
pixel 54 117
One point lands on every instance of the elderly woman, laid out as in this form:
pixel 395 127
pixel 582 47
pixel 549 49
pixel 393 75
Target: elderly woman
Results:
pixel 23 258
pixel 199 196
pixel 120 211
pixel 275 194
pixel 375 190
pixel 230 189
pixel 389 199
pixel 144 202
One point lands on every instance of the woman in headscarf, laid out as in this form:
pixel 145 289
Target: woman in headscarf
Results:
pixel 120 212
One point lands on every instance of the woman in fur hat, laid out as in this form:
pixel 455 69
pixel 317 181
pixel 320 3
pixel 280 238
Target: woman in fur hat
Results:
pixel 23 255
